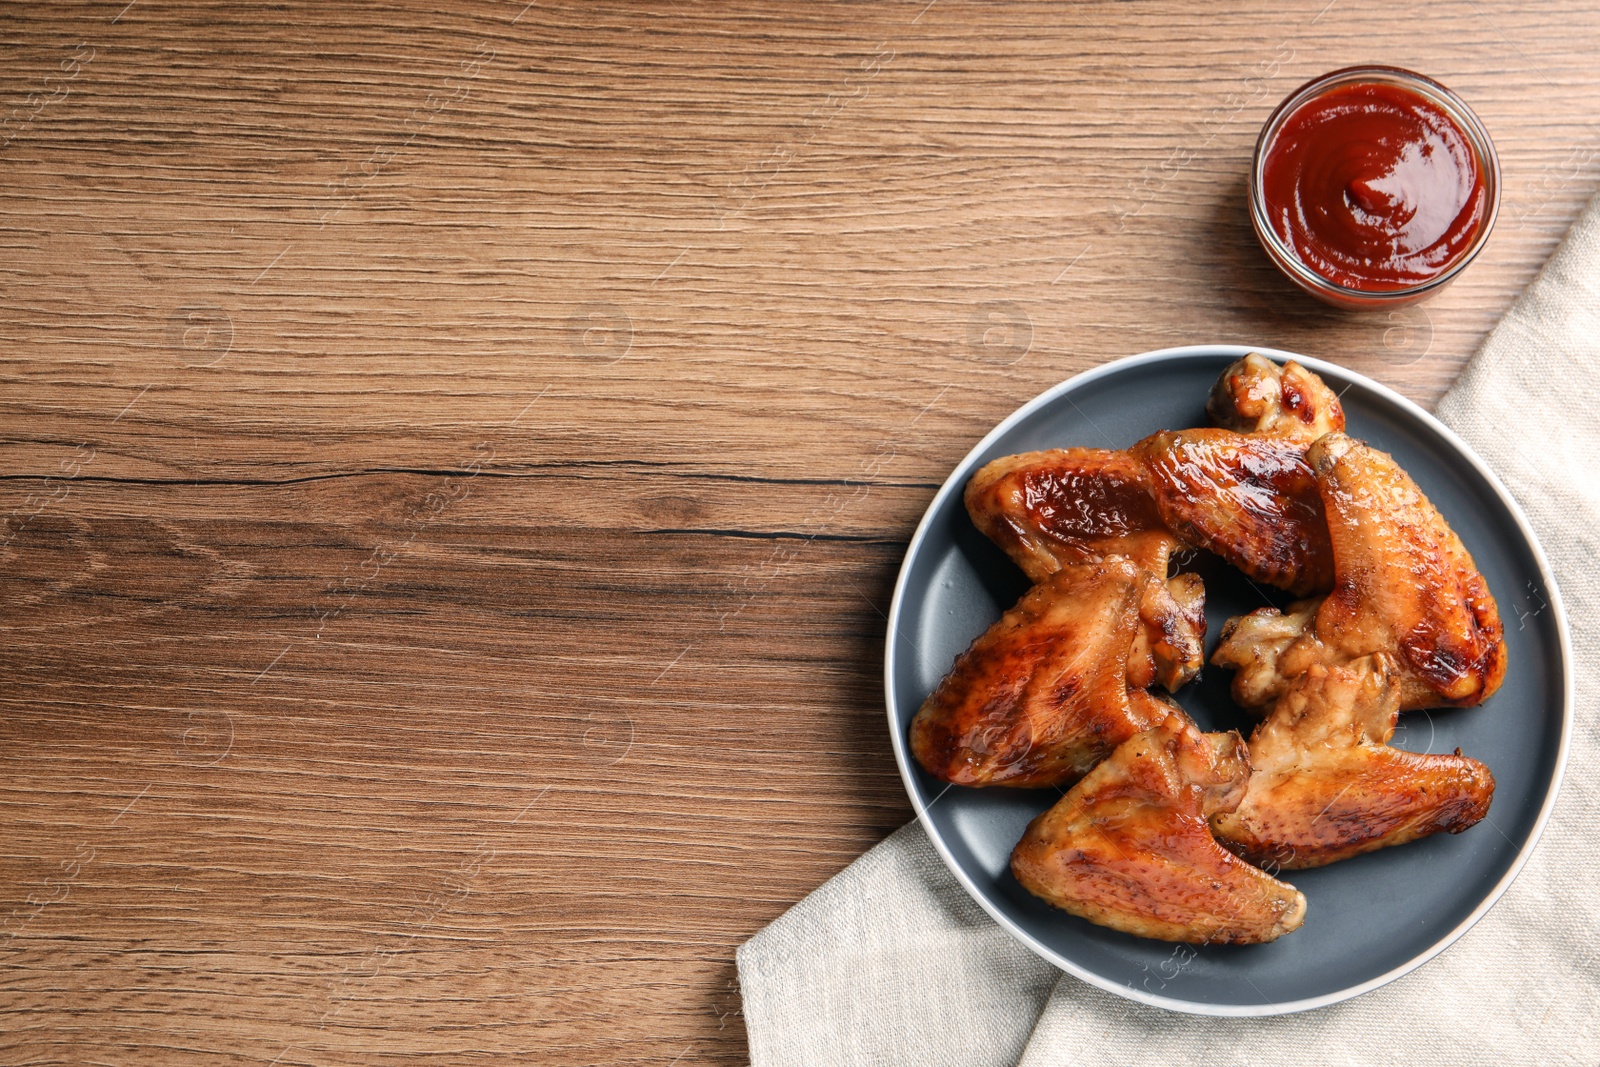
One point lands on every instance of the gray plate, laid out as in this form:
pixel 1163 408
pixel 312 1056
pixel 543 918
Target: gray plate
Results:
pixel 1369 919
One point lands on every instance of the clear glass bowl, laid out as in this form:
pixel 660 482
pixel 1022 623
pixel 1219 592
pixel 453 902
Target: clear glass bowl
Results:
pixel 1284 256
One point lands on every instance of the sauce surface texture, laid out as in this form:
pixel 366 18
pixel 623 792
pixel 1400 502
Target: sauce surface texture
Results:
pixel 1374 187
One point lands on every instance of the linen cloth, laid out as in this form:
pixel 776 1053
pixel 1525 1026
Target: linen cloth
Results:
pixel 890 963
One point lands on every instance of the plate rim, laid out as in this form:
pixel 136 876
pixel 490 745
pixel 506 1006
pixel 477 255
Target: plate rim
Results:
pixel 955 482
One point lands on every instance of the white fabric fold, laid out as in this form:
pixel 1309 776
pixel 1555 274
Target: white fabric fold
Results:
pixel 891 964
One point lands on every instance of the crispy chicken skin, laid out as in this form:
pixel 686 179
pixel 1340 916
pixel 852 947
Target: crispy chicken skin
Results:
pixel 1252 500
pixel 1244 492
pixel 1404 583
pixel 1404 580
pixel 1063 506
pixel 1326 785
pixel 1129 846
pixel 1256 396
pixel 1049 689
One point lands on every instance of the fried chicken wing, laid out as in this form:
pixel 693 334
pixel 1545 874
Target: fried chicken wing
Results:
pixel 1050 688
pixel 1403 583
pixel 1257 396
pixel 1245 493
pixel 1252 500
pixel 1063 506
pixel 1129 846
pixel 1067 685
pixel 1326 785
pixel 1404 580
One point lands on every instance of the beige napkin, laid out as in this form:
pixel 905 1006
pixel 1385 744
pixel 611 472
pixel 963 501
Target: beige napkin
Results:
pixel 891 963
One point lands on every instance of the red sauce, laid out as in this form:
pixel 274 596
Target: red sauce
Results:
pixel 1374 187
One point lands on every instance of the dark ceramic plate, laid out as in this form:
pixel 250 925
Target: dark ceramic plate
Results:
pixel 1369 919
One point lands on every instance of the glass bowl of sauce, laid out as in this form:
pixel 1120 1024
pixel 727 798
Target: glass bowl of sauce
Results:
pixel 1373 187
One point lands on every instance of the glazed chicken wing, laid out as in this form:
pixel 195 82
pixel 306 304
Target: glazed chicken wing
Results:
pixel 1252 500
pixel 1053 686
pixel 1245 493
pixel 1257 396
pixel 1129 847
pixel 1064 687
pixel 1403 583
pixel 1326 785
pixel 1050 509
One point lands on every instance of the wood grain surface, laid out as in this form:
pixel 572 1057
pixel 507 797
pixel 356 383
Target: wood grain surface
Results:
pixel 455 458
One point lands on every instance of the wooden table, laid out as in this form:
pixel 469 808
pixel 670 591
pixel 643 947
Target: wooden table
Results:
pixel 456 457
